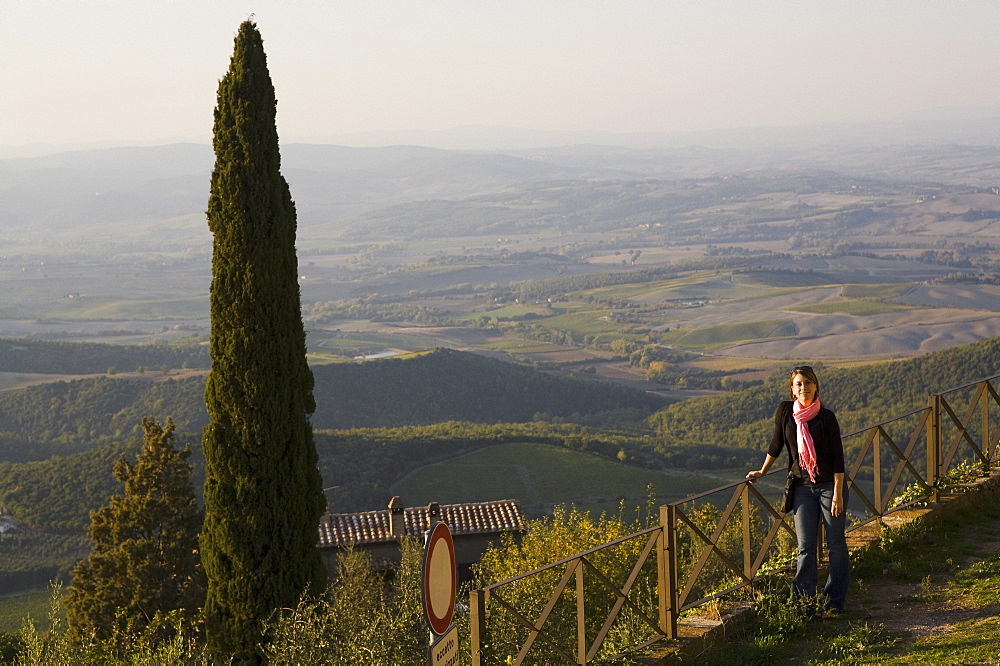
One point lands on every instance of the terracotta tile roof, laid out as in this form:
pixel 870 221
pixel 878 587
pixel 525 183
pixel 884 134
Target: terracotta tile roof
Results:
pixel 342 529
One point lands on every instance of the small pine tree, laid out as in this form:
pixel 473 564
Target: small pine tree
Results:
pixel 145 545
pixel 263 491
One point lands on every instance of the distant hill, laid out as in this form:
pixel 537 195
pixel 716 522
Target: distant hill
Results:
pixel 861 397
pixel 971 125
pixel 73 358
pixel 58 494
pixel 81 190
pixel 443 385
pixel 435 389
pixel 59 418
pixel 448 385
pixel 358 466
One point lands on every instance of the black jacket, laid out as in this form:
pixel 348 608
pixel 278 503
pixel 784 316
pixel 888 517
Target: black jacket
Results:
pixel 825 431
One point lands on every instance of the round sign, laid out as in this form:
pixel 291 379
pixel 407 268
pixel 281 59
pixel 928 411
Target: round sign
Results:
pixel 440 578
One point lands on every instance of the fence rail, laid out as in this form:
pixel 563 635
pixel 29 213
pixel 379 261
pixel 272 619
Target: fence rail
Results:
pixel 720 541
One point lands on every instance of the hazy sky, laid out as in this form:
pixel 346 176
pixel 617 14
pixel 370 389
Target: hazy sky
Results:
pixel 87 70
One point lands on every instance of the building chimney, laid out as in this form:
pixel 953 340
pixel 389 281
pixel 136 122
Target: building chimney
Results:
pixel 397 525
pixel 434 511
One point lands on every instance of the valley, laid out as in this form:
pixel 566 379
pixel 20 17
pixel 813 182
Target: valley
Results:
pixel 755 267
pixel 535 318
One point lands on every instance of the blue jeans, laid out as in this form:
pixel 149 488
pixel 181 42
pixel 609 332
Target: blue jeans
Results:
pixel 812 504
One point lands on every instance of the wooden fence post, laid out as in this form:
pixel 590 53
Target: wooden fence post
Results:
pixel 477 624
pixel 984 433
pixel 745 500
pixel 666 571
pixel 934 444
pixel 877 475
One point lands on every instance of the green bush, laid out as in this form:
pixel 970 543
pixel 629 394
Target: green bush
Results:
pixel 362 620
pixel 569 531
pixel 53 647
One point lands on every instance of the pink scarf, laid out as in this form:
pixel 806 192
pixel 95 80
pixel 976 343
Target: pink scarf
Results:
pixel 807 451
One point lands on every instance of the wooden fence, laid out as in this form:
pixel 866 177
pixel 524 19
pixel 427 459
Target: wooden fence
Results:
pixel 718 542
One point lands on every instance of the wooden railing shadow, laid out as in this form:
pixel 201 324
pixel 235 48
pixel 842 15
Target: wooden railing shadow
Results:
pixel 718 542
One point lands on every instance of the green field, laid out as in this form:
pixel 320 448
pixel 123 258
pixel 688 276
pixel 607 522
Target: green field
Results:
pixel 580 318
pixel 15 608
pixel 325 359
pixel 784 279
pixel 695 285
pixel 318 340
pixel 854 306
pixel 514 311
pixel 541 475
pixel 638 290
pixel 522 346
pixel 708 337
pixel 587 322
pixel 132 310
pixel 876 291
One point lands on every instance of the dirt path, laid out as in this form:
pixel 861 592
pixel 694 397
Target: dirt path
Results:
pixel 911 610
pixel 926 608
pixel 928 596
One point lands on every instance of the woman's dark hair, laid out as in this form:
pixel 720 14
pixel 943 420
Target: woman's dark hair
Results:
pixel 807 372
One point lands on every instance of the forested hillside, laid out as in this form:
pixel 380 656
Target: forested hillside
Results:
pixel 358 466
pixel 67 417
pixel 446 385
pixel 58 494
pixel 76 358
pixel 860 396
pixel 360 463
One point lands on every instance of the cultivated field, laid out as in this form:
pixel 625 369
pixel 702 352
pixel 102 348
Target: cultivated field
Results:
pixel 833 254
pixel 541 475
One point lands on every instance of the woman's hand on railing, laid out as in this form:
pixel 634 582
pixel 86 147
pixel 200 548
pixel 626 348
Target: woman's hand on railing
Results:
pixel 757 473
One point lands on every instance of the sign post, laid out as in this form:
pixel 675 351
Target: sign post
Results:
pixel 440 587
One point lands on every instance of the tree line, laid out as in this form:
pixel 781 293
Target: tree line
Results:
pixel 60 418
pixel 358 465
pixel 443 385
pixel 406 411
pixel 85 358
pixel 860 396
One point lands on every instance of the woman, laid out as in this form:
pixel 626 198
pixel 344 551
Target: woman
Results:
pixel 811 435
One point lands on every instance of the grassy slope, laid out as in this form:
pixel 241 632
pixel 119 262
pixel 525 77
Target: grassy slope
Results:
pixel 537 474
pixel 15 608
pixel 931 595
pixel 540 475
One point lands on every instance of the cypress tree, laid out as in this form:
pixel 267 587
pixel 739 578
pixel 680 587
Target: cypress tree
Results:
pixel 263 491
pixel 144 560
